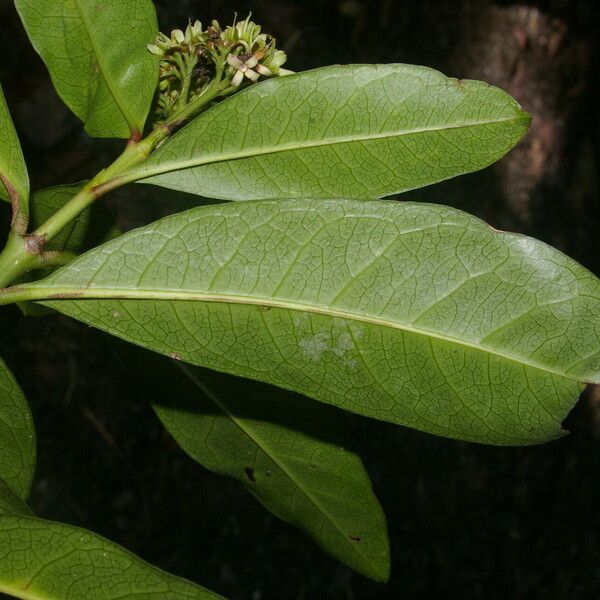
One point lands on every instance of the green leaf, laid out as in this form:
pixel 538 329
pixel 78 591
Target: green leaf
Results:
pixel 412 313
pixel 284 449
pixel 41 560
pixel 13 171
pixel 10 503
pixel 97 57
pixel 92 227
pixel 355 132
pixel 17 435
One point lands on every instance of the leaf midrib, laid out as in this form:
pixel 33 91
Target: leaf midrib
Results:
pixel 101 68
pixel 48 293
pixel 271 454
pixel 167 166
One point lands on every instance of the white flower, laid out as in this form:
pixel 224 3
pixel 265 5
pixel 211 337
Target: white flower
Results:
pixel 245 68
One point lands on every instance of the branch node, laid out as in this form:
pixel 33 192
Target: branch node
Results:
pixel 135 138
pixel 34 243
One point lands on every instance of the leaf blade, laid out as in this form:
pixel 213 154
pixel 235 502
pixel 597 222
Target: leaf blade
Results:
pixel 284 449
pixel 60 562
pixel 416 314
pixel 17 435
pixel 98 62
pixel 362 131
pixel 13 170
pixel 10 503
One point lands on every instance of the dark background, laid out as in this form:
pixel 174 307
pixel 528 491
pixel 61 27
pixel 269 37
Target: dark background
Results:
pixel 466 521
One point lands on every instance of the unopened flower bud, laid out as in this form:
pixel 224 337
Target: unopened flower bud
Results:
pixel 279 58
pixel 178 36
pixel 156 50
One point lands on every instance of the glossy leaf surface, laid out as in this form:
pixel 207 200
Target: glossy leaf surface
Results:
pixel 360 131
pixel 12 164
pixel 284 449
pixel 96 54
pixel 412 313
pixel 17 435
pixel 42 560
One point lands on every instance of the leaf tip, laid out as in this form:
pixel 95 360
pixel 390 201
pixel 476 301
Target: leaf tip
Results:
pixel 380 572
pixel 526 117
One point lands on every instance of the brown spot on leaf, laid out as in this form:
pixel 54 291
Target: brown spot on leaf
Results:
pixel 355 538
pixel 250 474
pixel 64 295
pixel 175 355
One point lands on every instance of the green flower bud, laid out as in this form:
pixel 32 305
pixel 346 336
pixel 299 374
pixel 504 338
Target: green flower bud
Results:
pixel 279 58
pixel 178 36
pixel 155 50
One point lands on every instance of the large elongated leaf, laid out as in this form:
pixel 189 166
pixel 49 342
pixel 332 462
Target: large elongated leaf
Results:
pixel 284 449
pixel 17 435
pixel 41 560
pixel 10 503
pixel 356 131
pixel 417 314
pixel 13 171
pixel 96 54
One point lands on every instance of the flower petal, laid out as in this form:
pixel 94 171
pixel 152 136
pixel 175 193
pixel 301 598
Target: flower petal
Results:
pixel 178 36
pixel 234 61
pixel 237 78
pixel 264 70
pixel 250 74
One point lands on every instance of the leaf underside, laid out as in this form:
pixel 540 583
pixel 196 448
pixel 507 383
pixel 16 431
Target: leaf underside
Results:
pixel 17 435
pixel 96 54
pixel 411 313
pixel 42 560
pixel 358 131
pixel 285 449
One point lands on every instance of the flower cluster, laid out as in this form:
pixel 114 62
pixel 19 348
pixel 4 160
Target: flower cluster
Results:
pixel 251 53
pixel 195 59
pixel 184 68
